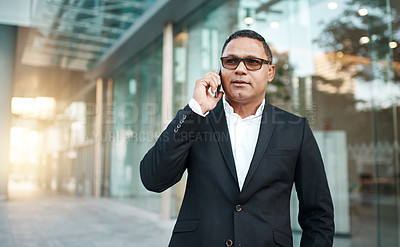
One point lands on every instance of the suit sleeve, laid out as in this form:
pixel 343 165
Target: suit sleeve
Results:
pixel 315 202
pixel 164 164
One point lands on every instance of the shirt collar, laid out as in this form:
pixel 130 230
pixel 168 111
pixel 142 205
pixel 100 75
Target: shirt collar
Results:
pixel 230 112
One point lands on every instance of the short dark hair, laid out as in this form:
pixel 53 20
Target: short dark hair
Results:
pixel 246 33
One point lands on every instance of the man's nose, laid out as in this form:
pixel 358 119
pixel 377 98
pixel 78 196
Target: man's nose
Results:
pixel 241 67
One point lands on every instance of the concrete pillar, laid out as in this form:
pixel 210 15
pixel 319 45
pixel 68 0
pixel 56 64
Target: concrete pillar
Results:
pixel 8 40
pixel 166 115
pixel 108 121
pixel 98 139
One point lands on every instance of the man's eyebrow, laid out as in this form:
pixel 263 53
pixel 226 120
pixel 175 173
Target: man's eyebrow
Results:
pixel 233 55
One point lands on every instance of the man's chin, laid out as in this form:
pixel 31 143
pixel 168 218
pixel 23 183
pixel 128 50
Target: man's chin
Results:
pixel 239 97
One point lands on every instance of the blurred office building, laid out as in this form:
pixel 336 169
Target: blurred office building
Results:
pixel 88 86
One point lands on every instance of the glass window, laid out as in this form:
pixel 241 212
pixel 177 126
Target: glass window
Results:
pixel 136 124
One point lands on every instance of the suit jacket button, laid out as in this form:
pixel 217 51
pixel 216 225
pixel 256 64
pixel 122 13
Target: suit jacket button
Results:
pixel 229 243
pixel 238 208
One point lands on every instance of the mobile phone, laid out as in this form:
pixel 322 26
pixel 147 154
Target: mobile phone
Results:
pixel 219 87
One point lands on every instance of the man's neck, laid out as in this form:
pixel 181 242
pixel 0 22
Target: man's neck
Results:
pixel 245 109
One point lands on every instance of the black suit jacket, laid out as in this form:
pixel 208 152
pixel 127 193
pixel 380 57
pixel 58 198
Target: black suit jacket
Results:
pixel 214 211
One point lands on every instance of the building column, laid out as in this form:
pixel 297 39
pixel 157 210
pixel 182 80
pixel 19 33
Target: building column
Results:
pixel 98 139
pixel 167 103
pixel 108 121
pixel 8 42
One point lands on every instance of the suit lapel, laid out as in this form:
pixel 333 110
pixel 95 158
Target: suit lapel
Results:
pixel 217 119
pixel 266 129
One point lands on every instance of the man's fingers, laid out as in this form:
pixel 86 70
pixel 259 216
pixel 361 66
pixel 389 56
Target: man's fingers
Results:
pixel 215 82
pixel 202 94
pixel 205 83
pixel 211 80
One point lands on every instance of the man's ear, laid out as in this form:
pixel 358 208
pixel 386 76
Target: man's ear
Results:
pixel 271 72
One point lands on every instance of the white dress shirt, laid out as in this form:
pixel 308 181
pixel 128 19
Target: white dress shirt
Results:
pixel 243 133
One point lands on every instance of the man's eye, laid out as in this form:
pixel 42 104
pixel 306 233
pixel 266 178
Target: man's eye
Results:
pixel 231 61
pixel 253 61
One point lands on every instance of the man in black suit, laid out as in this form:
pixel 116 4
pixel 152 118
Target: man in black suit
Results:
pixel 242 156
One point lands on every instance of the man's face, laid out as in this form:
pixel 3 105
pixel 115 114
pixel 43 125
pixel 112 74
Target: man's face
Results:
pixel 242 85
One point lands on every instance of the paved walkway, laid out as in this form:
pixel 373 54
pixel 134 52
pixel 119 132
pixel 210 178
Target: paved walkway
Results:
pixel 36 219
pixel 44 220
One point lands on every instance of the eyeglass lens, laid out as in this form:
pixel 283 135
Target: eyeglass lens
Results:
pixel 250 63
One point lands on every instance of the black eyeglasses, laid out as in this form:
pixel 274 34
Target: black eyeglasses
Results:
pixel 251 63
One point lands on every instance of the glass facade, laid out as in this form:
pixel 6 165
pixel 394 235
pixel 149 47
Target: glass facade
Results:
pixel 136 124
pixel 337 63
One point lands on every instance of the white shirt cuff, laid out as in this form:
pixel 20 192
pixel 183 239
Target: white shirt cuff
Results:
pixel 195 106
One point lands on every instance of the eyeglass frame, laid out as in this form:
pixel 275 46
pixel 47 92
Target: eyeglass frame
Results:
pixel 244 62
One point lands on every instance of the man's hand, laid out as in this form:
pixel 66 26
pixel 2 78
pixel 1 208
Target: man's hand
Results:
pixel 206 100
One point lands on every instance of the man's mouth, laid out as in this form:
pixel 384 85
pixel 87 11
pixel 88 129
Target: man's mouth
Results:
pixel 240 82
